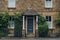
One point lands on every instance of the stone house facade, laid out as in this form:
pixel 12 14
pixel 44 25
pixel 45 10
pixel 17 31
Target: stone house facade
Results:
pixel 48 8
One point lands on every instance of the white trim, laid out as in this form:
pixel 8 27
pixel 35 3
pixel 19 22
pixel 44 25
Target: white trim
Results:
pixel 49 6
pixel 10 27
pixel 26 24
pixel 51 23
pixel 36 22
pixel 11 3
pixel 23 21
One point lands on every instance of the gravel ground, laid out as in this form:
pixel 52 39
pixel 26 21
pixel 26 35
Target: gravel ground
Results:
pixel 30 39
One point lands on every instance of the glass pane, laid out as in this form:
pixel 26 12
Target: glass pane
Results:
pixel 49 24
pixel 48 0
pixel 11 22
pixel 48 4
pixel 11 3
pixel 49 18
pixel 11 18
pixel 46 18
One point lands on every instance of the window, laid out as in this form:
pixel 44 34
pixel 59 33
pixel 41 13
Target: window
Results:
pixel 48 4
pixel 11 22
pixel 48 18
pixel 11 3
pixel 49 21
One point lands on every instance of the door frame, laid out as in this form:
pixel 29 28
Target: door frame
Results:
pixel 26 25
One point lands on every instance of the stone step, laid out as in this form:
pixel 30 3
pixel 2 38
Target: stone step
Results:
pixel 10 34
pixel 30 36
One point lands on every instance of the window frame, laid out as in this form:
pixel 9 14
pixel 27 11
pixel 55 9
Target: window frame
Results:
pixel 50 22
pixel 51 6
pixel 9 5
pixel 11 20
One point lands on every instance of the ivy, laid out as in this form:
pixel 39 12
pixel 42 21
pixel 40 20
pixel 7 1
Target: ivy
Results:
pixel 18 25
pixel 4 24
pixel 57 21
pixel 41 19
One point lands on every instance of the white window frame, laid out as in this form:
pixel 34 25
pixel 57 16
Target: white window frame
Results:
pixel 11 26
pixel 11 3
pixel 47 5
pixel 50 22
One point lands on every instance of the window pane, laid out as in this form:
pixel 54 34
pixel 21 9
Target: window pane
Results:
pixel 11 3
pixel 11 22
pixel 48 0
pixel 46 18
pixel 48 4
pixel 49 18
pixel 11 18
pixel 49 24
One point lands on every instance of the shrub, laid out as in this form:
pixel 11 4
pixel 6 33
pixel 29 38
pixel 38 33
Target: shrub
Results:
pixel 58 22
pixel 58 33
pixel 1 34
pixel 43 30
pixel 42 26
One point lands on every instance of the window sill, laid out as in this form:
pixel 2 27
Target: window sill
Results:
pixel 10 27
pixel 48 7
pixel 11 7
pixel 52 28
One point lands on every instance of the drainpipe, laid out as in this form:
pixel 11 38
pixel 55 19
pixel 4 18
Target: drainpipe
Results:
pixel 36 26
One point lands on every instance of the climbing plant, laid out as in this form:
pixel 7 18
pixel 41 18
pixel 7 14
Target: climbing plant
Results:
pixel 57 21
pixel 42 26
pixel 3 24
pixel 18 25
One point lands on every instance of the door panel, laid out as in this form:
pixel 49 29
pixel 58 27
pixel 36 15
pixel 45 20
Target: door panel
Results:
pixel 30 24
